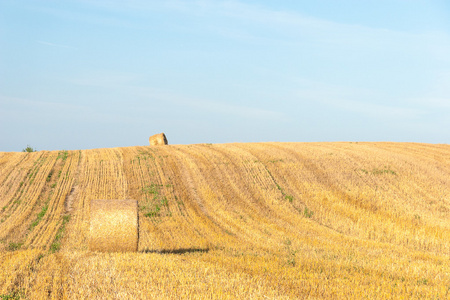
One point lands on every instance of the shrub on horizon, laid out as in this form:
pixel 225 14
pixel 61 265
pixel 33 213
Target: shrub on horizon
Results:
pixel 29 149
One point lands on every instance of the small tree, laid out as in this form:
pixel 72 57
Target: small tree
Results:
pixel 29 149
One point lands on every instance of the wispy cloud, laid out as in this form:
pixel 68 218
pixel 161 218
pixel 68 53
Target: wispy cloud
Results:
pixel 55 45
pixel 433 102
pixel 35 110
pixel 105 79
pixel 375 110
pixel 217 107
pixel 210 106
pixel 261 22
pixel 364 102
pixel 31 105
pixel 128 84
pixel 84 15
pixel 437 96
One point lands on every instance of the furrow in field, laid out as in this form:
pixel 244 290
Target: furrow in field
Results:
pixel 291 201
pixel 306 186
pixel 22 205
pixel 194 228
pixel 166 218
pixel 344 200
pixel 228 201
pixel 429 153
pixel 15 185
pixel 9 162
pixel 413 190
pixel 419 187
pixel 169 220
pixel 13 170
pixel 197 195
pixel 100 177
pixel 243 202
pixel 140 169
pixel 44 233
pixel 137 169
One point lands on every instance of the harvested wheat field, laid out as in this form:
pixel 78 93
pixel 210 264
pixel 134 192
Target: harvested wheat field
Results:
pixel 231 221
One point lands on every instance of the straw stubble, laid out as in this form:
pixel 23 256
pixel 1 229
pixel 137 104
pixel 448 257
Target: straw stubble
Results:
pixel 113 226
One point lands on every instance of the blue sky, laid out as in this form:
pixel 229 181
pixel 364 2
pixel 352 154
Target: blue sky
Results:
pixel 92 74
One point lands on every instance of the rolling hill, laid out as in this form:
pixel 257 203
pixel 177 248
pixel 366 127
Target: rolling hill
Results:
pixel 244 220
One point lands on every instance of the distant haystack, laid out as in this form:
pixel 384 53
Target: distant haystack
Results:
pixel 114 226
pixel 158 139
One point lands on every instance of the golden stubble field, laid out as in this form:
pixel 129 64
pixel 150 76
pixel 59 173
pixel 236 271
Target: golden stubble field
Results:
pixel 231 221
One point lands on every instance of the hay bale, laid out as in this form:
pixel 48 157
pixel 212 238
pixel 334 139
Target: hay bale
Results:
pixel 158 139
pixel 114 226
